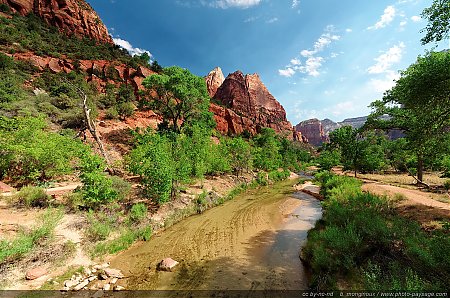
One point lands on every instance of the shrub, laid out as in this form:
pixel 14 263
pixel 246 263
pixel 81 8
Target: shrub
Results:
pixel 261 178
pixel 98 229
pixel 121 187
pixel 138 212
pixel 112 113
pixel 31 196
pixel 447 185
pixel 125 109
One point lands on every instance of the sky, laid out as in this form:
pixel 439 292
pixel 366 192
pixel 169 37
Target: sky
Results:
pixel 319 58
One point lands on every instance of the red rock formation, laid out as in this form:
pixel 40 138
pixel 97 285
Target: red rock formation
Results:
pixel 70 16
pixel 249 105
pixel 100 72
pixel 214 80
pixel 313 131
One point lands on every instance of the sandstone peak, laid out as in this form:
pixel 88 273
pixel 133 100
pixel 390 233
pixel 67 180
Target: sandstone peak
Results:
pixel 214 80
pixel 247 105
pixel 70 16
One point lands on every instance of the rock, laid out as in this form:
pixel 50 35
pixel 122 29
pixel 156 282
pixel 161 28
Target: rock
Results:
pixel 113 273
pixel 312 129
pixel 119 288
pixel 113 281
pixel 92 278
pixel 167 264
pixel 5 188
pixel 102 276
pixel 214 80
pixel 247 105
pixel 81 285
pixel 87 271
pixel 65 289
pixel 35 273
pixel 70 283
pixel 106 287
pixel 70 16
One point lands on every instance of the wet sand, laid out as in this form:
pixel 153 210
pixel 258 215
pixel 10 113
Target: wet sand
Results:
pixel 249 243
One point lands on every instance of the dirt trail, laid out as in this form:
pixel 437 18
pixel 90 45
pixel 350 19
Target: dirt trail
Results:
pixel 412 197
pixel 54 191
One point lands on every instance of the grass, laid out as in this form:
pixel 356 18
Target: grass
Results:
pixel 361 242
pixel 26 241
pixel 31 196
pixel 56 283
pixel 404 179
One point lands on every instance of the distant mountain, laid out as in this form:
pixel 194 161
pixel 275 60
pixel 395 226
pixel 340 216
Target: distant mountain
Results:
pixel 317 131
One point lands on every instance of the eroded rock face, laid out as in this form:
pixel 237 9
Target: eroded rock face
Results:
pixel 312 129
pixel 214 80
pixel 100 72
pixel 70 16
pixel 247 106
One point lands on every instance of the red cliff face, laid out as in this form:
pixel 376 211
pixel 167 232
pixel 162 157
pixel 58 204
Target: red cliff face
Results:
pixel 312 130
pixel 247 106
pixel 70 16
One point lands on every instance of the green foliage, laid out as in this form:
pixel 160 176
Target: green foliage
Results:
pixel 26 241
pixel 261 179
pixel 99 228
pixel 360 235
pixel 152 160
pixel 277 175
pixel 31 154
pixel 30 196
pixel 124 241
pixel 424 86
pixel 125 109
pixel 438 17
pixel 266 155
pixel 328 159
pixel 178 96
pixel 138 212
pixel 99 188
pixel 31 33
pixel 240 155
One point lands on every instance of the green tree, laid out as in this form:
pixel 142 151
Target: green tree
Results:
pixel 438 17
pixel 419 104
pixel 240 155
pixel 178 95
pixel 266 150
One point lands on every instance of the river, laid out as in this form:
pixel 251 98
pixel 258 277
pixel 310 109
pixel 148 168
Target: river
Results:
pixel 249 243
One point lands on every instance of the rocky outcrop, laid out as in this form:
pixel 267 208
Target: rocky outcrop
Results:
pixel 246 105
pixel 214 80
pixel 99 72
pixel 329 125
pixel 70 16
pixel 312 130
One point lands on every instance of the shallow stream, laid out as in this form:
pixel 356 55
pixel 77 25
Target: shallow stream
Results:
pixel 249 243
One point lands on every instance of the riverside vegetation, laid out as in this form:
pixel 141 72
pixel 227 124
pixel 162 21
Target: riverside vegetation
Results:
pixel 360 243
pixel 39 145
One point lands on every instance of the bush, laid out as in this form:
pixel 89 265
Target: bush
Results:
pixel 30 196
pixel 121 187
pixel 276 176
pixel 138 212
pixel 261 179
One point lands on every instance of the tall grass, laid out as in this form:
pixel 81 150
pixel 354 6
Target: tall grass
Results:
pixel 362 241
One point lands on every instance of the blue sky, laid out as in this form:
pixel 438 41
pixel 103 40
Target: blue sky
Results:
pixel 319 58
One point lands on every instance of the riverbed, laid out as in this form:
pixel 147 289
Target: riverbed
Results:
pixel 249 243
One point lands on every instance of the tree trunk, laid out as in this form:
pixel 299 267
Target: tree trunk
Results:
pixel 420 168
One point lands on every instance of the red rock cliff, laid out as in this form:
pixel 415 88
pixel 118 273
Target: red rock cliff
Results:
pixel 214 80
pixel 312 130
pixel 247 105
pixel 70 16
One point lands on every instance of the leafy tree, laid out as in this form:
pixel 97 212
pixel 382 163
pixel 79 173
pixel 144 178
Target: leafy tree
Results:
pixel 438 16
pixel 152 160
pixel 419 104
pixel 240 155
pixel 266 150
pixel 328 159
pixel 179 96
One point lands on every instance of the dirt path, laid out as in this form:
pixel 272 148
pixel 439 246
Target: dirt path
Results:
pixel 54 191
pixel 412 197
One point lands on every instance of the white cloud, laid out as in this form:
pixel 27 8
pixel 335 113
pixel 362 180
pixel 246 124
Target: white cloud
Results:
pixel 386 18
pixel 416 19
pixel 403 23
pixel 272 20
pixel 127 46
pixel 288 72
pixel 250 19
pixel 295 3
pixel 224 4
pixel 348 30
pixel 312 63
pixel 386 60
pixel 386 83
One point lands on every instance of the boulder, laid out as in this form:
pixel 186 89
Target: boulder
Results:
pixel 35 273
pixel 114 273
pixel 167 264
